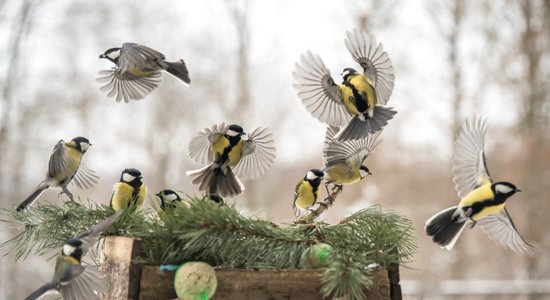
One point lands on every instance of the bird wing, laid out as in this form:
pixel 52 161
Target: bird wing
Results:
pixel 319 94
pixel 59 160
pixel 258 154
pixel 126 86
pixel 133 56
pixel 469 165
pixel 501 229
pixel 86 282
pixel 84 178
pixel 200 147
pixel 90 236
pixel 375 61
pixel 44 291
pixel 352 151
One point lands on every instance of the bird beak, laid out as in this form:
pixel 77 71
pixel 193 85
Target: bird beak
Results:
pixel 518 190
pixel 369 173
pixel 102 56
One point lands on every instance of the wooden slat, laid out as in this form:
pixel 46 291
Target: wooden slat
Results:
pixel 255 284
pixel 123 276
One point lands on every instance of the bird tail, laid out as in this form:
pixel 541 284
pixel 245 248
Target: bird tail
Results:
pixel 50 287
pixel 358 128
pixel 444 228
pixel 179 70
pixel 217 180
pixel 30 199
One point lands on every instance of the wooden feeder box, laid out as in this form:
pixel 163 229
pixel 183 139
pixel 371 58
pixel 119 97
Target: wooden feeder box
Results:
pixel 133 281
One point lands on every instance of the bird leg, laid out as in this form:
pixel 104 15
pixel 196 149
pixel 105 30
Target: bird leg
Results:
pixel 69 194
pixel 323 206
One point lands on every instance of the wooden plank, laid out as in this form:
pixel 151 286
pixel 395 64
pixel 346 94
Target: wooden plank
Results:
pixel 123 276
pixel 255 284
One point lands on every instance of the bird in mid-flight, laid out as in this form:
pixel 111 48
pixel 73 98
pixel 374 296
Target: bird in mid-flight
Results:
pixel 482 200
pixel 137 72
pixel 357 105
pixel 231 155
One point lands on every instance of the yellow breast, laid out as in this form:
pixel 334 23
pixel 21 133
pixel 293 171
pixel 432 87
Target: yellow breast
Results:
pixel 305 197
pixel 482 193
pixel 342 174
pixel 348 99
pixel 122 196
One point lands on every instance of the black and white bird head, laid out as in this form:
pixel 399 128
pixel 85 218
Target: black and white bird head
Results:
pixel 314 175
pixel 73 248
pixel 168 198
pixel 130 175
pixel 81 144
pixel 347 72
pixel 111 54
pixel 364 171
pixel 234 130
pixel 504 189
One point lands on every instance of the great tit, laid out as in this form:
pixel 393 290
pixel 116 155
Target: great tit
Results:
pixel 344 160
pixel 137 71
pixel 482 200
pixel 229 157
pixel 63 168
pixel 169 199
pixel 358 103
pixel 129 191
pixel 307 191
pixel 73 280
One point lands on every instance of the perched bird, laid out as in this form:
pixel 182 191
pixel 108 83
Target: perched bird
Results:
pixel 168 199
pixel 482 200
pixel 63 168
pixel 344 160
pixel 229 157
pixel 130 190
pixel 73 280
pixel 358 103
pixel 137 71
pixel 307 191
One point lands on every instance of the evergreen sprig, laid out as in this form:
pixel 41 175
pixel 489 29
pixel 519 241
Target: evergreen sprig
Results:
pixel 223 237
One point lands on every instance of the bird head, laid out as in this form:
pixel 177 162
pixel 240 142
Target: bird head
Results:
pixel 168 198
pixel 315 174
pixel 111 54
pixel 130 175
pixel 80 143
pixel 73 248
pixel 234 130
pixel 364 171
pixel 347 72
pixel 504 189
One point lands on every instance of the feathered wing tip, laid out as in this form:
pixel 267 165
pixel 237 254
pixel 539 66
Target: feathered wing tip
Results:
pixel 376 63
pixel 469 165
pixel 319 94
pixel 200 147
pixel 443 230
pixel 84 178
pixel 258 154
pixel 49 288
pixel 213 180
pixel 86 285
pixel 501 229
pixel 358 129
pixel 127 87
pixel 32 197
pixel 179 70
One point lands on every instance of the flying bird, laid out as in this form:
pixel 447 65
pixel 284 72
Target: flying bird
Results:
pixel 358 104
pixel 137 72
pixel 482 200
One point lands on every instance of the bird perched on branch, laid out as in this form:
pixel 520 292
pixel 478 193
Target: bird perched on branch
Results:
pixel 230 154
pixel 130 191
pixel 169 199
pixel 63 168
pixel 344 160
pixel 137 71
pixel 307 191
pixel 357 105
pixel 73 280
pixel 482 200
